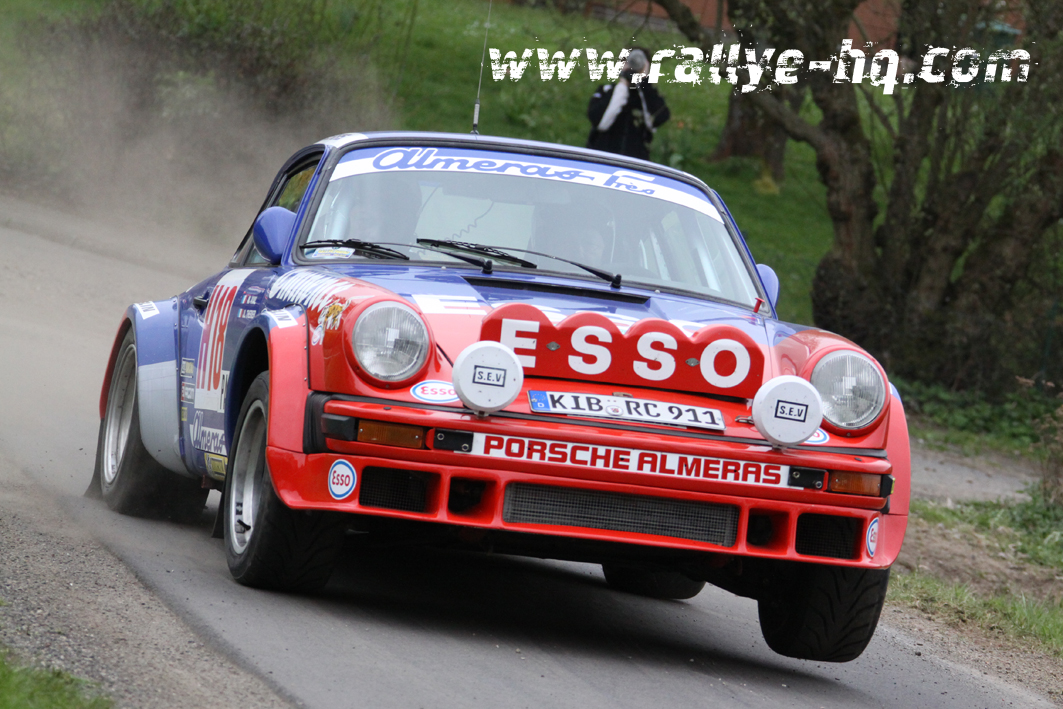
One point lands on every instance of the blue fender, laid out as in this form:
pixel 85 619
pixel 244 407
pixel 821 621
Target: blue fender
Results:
pixel 158 387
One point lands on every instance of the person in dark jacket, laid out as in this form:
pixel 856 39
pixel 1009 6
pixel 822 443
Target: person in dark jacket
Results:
pixel 625 116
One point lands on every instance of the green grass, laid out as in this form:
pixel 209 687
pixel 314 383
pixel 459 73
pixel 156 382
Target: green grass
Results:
pixel 1031 530
pixel 1026 531
pixel 1017 617
pixel 25 688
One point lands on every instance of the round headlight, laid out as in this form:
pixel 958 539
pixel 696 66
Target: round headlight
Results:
pixel 852 389
pixel 390 341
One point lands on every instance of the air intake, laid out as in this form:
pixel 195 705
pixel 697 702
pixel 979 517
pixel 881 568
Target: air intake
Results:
pixel 826 535
pixel 404 490
pixel 618 512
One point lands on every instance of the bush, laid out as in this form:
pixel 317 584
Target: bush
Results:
pixel 1014 417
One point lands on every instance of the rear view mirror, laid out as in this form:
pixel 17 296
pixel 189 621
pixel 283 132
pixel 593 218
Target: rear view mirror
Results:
pixel 770 281
pixel 272 231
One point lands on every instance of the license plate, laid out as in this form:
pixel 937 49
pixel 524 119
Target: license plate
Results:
pixel 624 409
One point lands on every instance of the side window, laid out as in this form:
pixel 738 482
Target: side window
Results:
pixel 290 196
pixel 294 189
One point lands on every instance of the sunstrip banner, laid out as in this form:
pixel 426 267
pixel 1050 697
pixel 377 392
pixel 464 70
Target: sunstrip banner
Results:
pixel 364 162
pixel 629 460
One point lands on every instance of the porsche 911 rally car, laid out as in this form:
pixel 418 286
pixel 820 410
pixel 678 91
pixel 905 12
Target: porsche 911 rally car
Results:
pixel 526 348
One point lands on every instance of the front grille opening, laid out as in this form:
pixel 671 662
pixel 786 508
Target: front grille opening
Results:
pixel 827 535
pixel 405 490
pixel 527 503
pixel 465 495
pixel 761 530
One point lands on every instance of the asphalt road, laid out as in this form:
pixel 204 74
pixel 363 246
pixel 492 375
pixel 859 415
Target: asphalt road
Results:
pixel 402 629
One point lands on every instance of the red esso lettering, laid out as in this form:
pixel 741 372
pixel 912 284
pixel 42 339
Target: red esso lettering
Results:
pixel 341 479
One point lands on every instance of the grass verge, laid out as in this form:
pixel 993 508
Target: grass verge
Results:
pixel 1017 618
pixel 27 688
pixel 1029 530
pixel 1024 535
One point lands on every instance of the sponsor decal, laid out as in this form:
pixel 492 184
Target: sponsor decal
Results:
pixel 247 299
pixel 207 439
pixel 330 252
pixel 716 359
pixel 488 376
pixel 282 318
pixel 211 379
pixel 255 289
pixel 311 289
pixel 184 414
pixel 147 310
pixel 818 438
pixel 330 316
pixel 361 162
pixel 216 464
pixel 630 460
pixel 318 335
pixel 245 313
pixel 791 411
pixel 434 391
pixel 188 392
pixel 188 368
pixel 872 537
pixel 342 477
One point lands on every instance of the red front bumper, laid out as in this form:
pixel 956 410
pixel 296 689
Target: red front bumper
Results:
pixel 302 482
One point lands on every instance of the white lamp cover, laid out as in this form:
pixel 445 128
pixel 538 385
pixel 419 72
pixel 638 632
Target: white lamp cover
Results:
pixel 487 377
pixel 787 410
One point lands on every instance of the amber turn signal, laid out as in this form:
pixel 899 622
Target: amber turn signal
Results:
pixel 390 434
pixel 855 483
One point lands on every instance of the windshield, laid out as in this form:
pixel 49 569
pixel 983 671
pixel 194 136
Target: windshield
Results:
pixel 654 231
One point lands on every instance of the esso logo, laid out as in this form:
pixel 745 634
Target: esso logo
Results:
pixel 434 391
pixel 341 479
pixel 818 438
pixel 872 537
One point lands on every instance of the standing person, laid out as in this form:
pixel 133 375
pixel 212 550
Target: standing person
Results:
pixel 625 116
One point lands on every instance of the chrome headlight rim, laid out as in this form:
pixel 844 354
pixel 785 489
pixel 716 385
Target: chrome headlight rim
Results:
pixel 870 418
pixel 406 374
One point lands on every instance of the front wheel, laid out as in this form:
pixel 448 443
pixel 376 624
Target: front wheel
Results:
pixel 824 613
pixel 268 544
pixel 131 481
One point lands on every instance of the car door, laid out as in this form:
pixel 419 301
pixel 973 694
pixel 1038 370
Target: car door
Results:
pixel 214 316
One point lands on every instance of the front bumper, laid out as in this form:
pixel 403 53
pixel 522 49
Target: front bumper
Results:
pixel 658 506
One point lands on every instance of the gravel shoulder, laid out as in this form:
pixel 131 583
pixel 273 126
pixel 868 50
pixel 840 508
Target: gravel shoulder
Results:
pixel 69 604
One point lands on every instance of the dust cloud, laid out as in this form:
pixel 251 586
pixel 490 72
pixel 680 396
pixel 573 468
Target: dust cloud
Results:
pixel 109 123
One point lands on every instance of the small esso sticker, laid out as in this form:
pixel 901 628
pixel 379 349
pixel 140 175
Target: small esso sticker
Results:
pixel 434 391
pixel 872 537
pixel 342 478
pixel 818 438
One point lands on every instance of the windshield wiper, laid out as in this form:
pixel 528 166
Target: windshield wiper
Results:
pixel 367 248
pixel 480 249
pixel 500 252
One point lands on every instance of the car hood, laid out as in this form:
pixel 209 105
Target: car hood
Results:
pixel 455 301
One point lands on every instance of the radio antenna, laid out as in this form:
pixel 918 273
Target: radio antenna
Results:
pixel 476 106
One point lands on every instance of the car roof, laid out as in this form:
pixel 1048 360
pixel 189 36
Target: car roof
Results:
pixel 518 144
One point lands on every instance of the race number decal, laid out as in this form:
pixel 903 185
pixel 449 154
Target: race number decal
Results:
pixel 210 379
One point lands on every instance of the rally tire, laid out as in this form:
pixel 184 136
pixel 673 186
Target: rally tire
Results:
pixel 824 613
pixel 267 544
pixel 664 585
pixel 131 481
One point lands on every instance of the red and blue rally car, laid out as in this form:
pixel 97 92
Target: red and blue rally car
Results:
pixel 519 347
